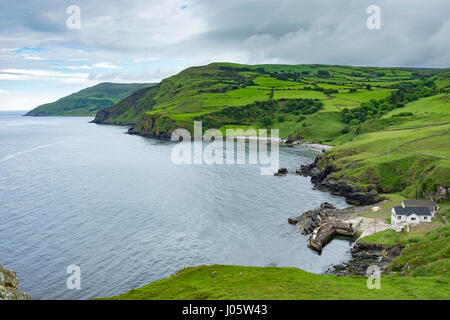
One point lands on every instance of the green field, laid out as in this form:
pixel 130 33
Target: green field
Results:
pixel 435 104
pixel 364 95
pixel 298 94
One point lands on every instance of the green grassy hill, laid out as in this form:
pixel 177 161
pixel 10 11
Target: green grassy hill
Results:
pixel 236 282
pixel 275 96
pixel 88 101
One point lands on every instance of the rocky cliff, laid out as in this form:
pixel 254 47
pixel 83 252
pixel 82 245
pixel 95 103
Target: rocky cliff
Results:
pixel 9 286
pixel 323 180
pixel 365 255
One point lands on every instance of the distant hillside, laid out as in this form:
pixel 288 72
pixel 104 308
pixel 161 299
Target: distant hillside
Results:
pixel 88 101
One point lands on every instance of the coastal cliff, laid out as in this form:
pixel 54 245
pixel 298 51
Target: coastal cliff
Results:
pixel 323 179
pixel 9 286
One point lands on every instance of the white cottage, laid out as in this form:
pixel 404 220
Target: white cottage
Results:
pixel 401 216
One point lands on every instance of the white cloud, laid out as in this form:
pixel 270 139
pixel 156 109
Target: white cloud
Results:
pixel 9 76
pixel 27 56
pixel 105 65
pixel 42 73
pixel 85 67
pixel 33 74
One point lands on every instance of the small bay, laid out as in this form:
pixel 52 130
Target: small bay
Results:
pixel 75 193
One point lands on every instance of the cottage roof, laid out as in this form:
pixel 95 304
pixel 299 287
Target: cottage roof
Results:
pixel 420 211
pixel 418 203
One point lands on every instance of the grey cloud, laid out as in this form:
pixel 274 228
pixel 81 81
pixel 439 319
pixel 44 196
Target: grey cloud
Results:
pixel 143 76
pixel 414 33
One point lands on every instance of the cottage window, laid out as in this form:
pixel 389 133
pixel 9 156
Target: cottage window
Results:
pixel 413 219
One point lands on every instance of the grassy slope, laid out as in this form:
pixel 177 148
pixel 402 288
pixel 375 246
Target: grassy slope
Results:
pixel 88 101
pixel 236 282
pixel 364 159
pixel 426 253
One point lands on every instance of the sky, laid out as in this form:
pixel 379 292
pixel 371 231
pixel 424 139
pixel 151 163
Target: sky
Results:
pixel 46 52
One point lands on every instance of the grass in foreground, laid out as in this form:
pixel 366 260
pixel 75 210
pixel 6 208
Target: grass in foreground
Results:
pixel 236 282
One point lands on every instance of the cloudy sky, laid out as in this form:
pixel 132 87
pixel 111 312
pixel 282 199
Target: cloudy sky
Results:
pixel 42 59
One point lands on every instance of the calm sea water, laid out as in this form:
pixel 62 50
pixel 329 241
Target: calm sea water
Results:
pixel 78 193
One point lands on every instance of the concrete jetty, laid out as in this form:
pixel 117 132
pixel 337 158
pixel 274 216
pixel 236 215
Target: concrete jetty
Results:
pixel 323 234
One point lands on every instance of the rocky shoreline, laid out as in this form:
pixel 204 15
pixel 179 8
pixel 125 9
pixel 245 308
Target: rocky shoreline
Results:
pixel 365 255
pixel 160 135
pixel 324 181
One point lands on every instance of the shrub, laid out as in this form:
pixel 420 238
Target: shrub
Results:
pixel 345 130
pixel 403 114
pixel 323 73
pixel 355 122
pixel 267 121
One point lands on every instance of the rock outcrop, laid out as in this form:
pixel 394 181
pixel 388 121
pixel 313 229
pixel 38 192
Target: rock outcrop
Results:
pixel 312 219
pixel 442 193
pixel 281 172
pixel 323 180
pixel 365 255
pixel 9 286
pixel 308 170
pixel 155 135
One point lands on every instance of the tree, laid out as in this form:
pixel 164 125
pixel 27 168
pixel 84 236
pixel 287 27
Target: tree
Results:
pixel 267 121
